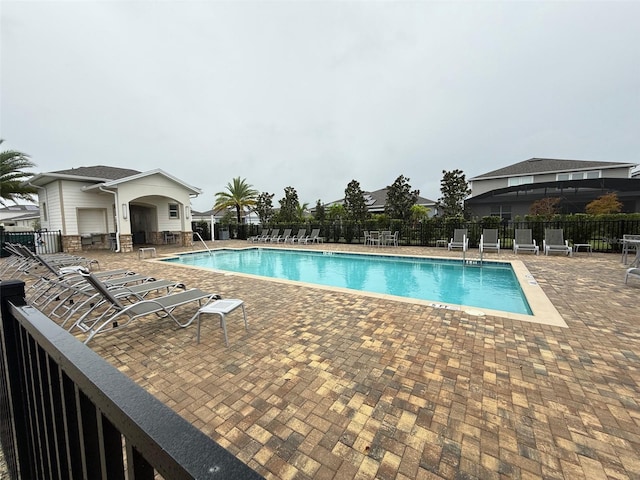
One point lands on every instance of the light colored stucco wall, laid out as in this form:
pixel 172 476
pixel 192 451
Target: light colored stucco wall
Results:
pixel 63 198
pixel 49 203
pixel 74 198
pixel 479 187
pixel 153 185
pixel 159 191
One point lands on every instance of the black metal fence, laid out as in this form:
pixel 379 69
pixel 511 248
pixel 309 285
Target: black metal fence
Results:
pixel 40 241
pixel 603 235
pixel 65 413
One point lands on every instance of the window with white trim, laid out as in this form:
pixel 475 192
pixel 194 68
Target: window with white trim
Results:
pixel 578 175
pixel 173 210
pixel 513 181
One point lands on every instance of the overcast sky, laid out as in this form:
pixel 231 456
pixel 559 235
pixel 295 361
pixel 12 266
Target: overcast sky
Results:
pixel 314 94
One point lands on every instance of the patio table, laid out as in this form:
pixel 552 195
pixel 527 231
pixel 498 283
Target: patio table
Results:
pixel 631 241
pixel 222 308
pixel 586 246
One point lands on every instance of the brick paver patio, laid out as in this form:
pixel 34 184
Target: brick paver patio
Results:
pixel 331 385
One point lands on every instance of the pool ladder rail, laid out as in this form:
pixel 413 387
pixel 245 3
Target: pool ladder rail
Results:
pixel 203 242
pixel 471 261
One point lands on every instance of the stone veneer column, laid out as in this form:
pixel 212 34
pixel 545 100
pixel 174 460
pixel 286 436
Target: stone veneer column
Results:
pixel 186 239
pixel 126 243
pixel 71 243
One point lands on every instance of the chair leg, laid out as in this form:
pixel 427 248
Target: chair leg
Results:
pixel 223 324
pixel 244 315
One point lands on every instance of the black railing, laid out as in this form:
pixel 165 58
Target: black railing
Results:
pixel 603 235
pixel 65 413
pixel 40 241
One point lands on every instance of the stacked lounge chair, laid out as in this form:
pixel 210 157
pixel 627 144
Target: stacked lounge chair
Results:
pixel 113 311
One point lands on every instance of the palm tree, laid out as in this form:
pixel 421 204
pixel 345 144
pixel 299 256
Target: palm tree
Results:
pixel 12 176
pixel 239 194
pixel 301 210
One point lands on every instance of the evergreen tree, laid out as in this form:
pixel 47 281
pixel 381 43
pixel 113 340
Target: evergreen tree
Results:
pixel 320 214
pixel 400 199
pixel 264 207
pixel 354 202
pixel 454 189
pixel 289 206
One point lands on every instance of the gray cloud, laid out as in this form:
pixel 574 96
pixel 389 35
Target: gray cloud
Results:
pixel 315 94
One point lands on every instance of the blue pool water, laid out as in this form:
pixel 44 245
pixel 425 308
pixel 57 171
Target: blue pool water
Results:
pixel 492 285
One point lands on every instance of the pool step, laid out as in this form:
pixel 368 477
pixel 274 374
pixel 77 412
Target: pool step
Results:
pixel 472 261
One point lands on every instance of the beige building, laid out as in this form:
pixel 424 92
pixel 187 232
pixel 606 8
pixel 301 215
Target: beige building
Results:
pixel 117 208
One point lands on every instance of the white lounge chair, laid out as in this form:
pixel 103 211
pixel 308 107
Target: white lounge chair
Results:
pixel 298 236
pixel 524 241
pixel 256 238
pixel 266 237
pixel 459 240
pixel 632 272
pixel 313 237
pixel 554 242
pixel 489 240
pixel 275 233
pixel 284 237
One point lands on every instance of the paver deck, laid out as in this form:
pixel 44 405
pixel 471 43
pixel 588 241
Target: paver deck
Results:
pixel 332 385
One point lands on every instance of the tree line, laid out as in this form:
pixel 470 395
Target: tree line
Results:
pixel 239 196
pixel 401 202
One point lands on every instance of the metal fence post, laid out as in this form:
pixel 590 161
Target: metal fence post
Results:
pixel 13 430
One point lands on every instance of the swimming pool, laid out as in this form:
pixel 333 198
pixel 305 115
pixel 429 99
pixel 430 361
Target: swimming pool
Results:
pixel 491 286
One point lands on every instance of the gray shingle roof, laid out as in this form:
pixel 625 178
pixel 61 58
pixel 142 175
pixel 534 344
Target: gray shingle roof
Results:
pixel 377 200
pixel 546 165
pixel 100 171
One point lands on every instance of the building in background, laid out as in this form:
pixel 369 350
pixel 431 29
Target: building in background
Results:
pixel 510 191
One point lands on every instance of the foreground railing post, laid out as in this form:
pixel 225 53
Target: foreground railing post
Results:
pixel 67 413
pixel 13 428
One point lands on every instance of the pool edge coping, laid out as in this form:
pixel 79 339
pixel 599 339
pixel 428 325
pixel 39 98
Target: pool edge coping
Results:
pixel 544 312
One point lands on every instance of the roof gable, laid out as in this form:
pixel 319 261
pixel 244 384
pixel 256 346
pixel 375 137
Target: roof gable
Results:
pixel 548 165
pixel 104 176
pixel 95 174
pixel 138 175
pixel 99 172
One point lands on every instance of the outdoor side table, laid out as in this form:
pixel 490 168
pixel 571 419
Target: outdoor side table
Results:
pixel 142 252
pixel 586 246
pixel 222 308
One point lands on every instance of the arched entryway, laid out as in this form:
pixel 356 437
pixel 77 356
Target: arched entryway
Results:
pixel 144 223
